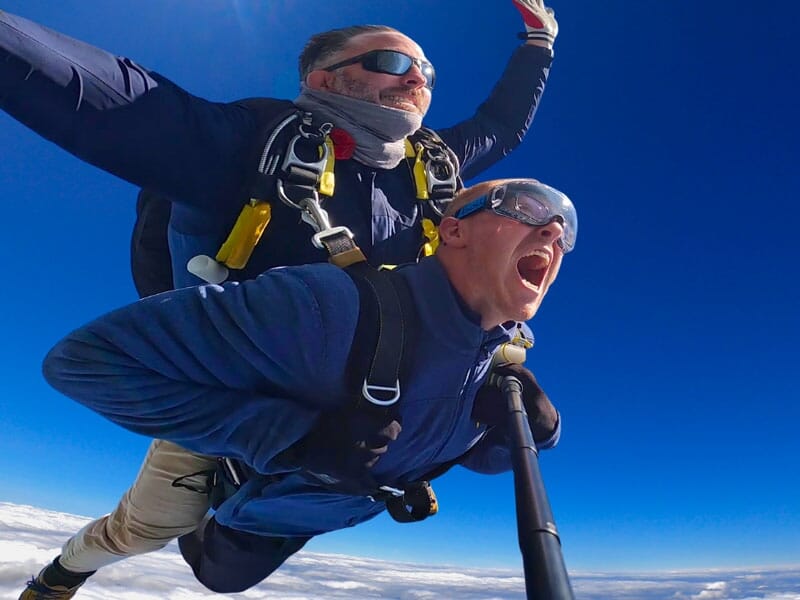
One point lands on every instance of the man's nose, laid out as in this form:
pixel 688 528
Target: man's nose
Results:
pixel 551 232
pixel 414 79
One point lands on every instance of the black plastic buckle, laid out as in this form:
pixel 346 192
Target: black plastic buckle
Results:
pixel 417 503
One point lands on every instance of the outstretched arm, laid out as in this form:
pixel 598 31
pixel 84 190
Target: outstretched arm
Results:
pixel 237 370
pixel 502 121
pixel 117 115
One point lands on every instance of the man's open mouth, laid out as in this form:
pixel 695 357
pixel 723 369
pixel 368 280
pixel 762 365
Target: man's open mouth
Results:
pixel 533 267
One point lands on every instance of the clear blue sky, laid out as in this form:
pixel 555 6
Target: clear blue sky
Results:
pixel 669 342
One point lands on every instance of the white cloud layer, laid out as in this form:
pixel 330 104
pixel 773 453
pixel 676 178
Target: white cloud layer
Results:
pixel 30 537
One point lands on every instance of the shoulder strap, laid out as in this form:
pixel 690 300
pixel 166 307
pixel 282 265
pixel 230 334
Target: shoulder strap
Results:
pixel 272 116
pixel 436 169
pixel 268 112
pixel 387 328
pixel 379 360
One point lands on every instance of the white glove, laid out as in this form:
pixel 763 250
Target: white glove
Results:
pixel 540 22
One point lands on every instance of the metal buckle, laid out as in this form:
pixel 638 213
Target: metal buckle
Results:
pixel 393 491
pixel 436 163
pixel 231 472
pixel 396 492
pixel 318 237
pixel 365 388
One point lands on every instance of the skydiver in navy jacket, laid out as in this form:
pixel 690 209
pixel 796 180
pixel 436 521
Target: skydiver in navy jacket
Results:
pixel 245 370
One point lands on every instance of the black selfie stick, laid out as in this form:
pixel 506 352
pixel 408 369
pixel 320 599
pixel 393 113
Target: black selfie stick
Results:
pixel 545 573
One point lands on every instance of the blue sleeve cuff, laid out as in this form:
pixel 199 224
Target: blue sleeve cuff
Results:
pixel 554 438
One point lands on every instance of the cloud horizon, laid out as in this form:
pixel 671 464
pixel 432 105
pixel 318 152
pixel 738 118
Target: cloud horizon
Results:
pixel 31 536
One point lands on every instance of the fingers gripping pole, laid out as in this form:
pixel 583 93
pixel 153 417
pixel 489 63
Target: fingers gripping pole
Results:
pixel 545 573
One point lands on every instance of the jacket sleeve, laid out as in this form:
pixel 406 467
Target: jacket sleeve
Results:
pixel 120 117
pixel 503 119
pixel 233 370
pixel 491 454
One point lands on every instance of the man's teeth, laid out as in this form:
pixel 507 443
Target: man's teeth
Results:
pixel 537 259
pixel 399 100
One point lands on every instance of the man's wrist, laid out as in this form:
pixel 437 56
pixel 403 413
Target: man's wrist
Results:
pixel 537 39
pixel 540 43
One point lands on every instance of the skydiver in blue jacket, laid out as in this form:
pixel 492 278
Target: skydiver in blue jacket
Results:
pixel 245 370
pixel 138 125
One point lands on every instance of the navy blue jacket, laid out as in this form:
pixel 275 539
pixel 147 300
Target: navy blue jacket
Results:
pixel 243 370
pixel 134 123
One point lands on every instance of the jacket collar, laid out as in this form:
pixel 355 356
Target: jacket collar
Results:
pixel 444 314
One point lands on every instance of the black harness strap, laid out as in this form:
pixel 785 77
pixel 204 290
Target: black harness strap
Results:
pixel 386 333
pixel 377 385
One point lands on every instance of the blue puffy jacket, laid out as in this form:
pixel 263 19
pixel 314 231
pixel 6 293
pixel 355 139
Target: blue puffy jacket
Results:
pixel 242 370
pixel 138 125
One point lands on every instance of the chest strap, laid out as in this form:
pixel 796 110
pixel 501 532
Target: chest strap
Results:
pixel 296 165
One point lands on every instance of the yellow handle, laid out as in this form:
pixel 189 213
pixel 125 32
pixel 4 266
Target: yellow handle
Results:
pixel 244 236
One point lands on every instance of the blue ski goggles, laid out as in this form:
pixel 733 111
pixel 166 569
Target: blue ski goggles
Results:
pixel 532 203
pixel 390 62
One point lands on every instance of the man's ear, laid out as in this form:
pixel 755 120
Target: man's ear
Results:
pixel 319 80
pixel 452 233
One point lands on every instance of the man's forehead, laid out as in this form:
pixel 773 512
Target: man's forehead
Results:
pixel 382 40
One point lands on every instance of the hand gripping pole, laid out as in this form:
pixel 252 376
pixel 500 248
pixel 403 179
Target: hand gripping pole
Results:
pixel 545 573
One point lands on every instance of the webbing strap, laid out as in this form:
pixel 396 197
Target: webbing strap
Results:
pixel 381 384
pixel 342 250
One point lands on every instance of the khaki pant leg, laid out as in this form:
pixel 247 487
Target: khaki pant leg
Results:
pixel 151 513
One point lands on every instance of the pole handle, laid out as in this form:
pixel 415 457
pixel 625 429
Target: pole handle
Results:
pixel 546 575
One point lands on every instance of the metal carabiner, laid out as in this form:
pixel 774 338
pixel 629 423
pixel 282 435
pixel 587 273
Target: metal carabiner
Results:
pixel 319 237
pixel 293 160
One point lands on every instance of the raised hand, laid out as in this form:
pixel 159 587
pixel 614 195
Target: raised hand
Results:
pixel 540 21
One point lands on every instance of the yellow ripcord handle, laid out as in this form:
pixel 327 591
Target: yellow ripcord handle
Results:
pixel 420 177
pixel 249 227
pixel 327 180
pixel 431 233
pixel 255 216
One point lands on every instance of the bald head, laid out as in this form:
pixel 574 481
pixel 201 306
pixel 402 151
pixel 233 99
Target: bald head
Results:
pixel 483 188
pixel 500 266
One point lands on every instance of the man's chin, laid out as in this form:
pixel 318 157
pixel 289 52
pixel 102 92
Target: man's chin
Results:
pixel 528 311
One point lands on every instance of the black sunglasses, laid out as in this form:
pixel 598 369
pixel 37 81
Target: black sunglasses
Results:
pixel 390 62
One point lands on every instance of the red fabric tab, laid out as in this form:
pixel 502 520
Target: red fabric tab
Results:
pixel 343 144
pixel 528 17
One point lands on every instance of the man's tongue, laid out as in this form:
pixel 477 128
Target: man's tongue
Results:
pixel 532 269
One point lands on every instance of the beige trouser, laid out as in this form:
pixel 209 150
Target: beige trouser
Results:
pixel 151 513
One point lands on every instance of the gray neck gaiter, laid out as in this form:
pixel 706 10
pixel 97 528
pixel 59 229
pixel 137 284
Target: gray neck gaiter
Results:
pixel 379 131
